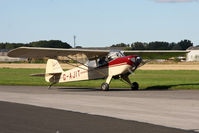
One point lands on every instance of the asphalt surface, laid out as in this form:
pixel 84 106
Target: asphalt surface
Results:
pixel 173 110
pixel 20 118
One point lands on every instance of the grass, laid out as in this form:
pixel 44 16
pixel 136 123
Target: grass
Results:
pixel 147 79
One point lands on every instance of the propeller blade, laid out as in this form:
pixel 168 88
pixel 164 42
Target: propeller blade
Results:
pixel 130 71
pixel 143 63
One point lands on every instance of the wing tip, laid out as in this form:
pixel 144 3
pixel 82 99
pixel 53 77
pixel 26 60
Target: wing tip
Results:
pixel 12 53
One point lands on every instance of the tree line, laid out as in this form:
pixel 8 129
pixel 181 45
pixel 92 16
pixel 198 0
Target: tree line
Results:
pixel 157 45
pixel 43 43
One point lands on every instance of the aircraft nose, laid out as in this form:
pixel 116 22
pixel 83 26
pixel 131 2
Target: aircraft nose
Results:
pixel 138 60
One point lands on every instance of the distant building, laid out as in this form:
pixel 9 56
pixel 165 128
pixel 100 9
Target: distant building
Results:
pixel 3 52
pixel 193 54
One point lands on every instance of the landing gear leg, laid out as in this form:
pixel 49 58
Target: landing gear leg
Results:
pixel 134 85
pixel 105 86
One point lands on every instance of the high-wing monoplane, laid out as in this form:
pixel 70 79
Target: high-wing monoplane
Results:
pixel 101 64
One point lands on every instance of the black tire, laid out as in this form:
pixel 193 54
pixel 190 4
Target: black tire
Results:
pixel 105 86
pixel 134 86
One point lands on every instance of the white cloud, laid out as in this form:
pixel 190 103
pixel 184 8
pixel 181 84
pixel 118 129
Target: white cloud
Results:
pixel 175 1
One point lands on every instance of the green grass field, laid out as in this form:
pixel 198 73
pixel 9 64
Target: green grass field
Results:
pixel 147 79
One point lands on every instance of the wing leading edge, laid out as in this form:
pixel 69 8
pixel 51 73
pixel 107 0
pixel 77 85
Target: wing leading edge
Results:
pixel 157 54
pixel 37 52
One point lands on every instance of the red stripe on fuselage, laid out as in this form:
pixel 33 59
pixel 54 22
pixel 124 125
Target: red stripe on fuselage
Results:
pixel 117 62
pixel 126 59
pixel 120 61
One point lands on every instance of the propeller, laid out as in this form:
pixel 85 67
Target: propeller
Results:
pixel 138 63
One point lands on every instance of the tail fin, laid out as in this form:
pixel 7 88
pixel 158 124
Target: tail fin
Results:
pixel 53 66
pixel 53 71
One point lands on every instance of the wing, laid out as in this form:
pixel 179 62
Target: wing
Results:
pixel 156 54
pixel 37 52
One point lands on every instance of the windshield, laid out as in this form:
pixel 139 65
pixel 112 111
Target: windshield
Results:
pixel 115 54
pixel 104 60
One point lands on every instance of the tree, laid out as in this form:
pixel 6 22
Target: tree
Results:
pixel 120 45
pixel 138 46
pixel 2 46
pixel 78 47
pixel 184 44
pixel 158 46
pixel 43 43
pixel 49 44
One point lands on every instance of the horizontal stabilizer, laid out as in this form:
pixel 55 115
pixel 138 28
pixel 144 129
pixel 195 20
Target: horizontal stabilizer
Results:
pixel 38 75
pixel 43 74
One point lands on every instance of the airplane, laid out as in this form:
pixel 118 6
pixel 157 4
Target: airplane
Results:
pixel 101 64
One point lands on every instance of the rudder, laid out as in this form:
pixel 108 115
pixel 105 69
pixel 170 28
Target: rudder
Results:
pixel 53 71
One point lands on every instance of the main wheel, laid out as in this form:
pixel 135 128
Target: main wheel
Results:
pixel 105 86
pixel 134 86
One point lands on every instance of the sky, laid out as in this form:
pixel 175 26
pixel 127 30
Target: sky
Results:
pixel 98 23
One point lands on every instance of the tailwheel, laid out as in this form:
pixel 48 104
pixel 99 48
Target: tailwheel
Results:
pixel 134 86
pixel 105 86
pixel 51 85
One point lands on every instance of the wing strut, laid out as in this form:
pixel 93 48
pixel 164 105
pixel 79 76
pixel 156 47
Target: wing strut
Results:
pixel 89 68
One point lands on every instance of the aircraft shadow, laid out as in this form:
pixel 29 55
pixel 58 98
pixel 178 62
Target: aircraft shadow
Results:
pixel 78 89
pixel 91 89
pixel 165 87
pixel 150 88
pixel 120 89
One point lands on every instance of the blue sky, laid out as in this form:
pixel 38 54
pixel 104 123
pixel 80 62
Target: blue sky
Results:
pixel 99 22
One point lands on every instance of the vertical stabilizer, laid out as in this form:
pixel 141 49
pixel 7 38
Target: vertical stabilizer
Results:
pixel 53 71
pixel 53 66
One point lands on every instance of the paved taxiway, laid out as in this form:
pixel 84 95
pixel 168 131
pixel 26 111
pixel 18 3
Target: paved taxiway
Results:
pixel 21 118
pixel 177 109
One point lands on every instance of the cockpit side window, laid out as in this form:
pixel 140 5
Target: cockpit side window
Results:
pixel 102 61
pixel 91 63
